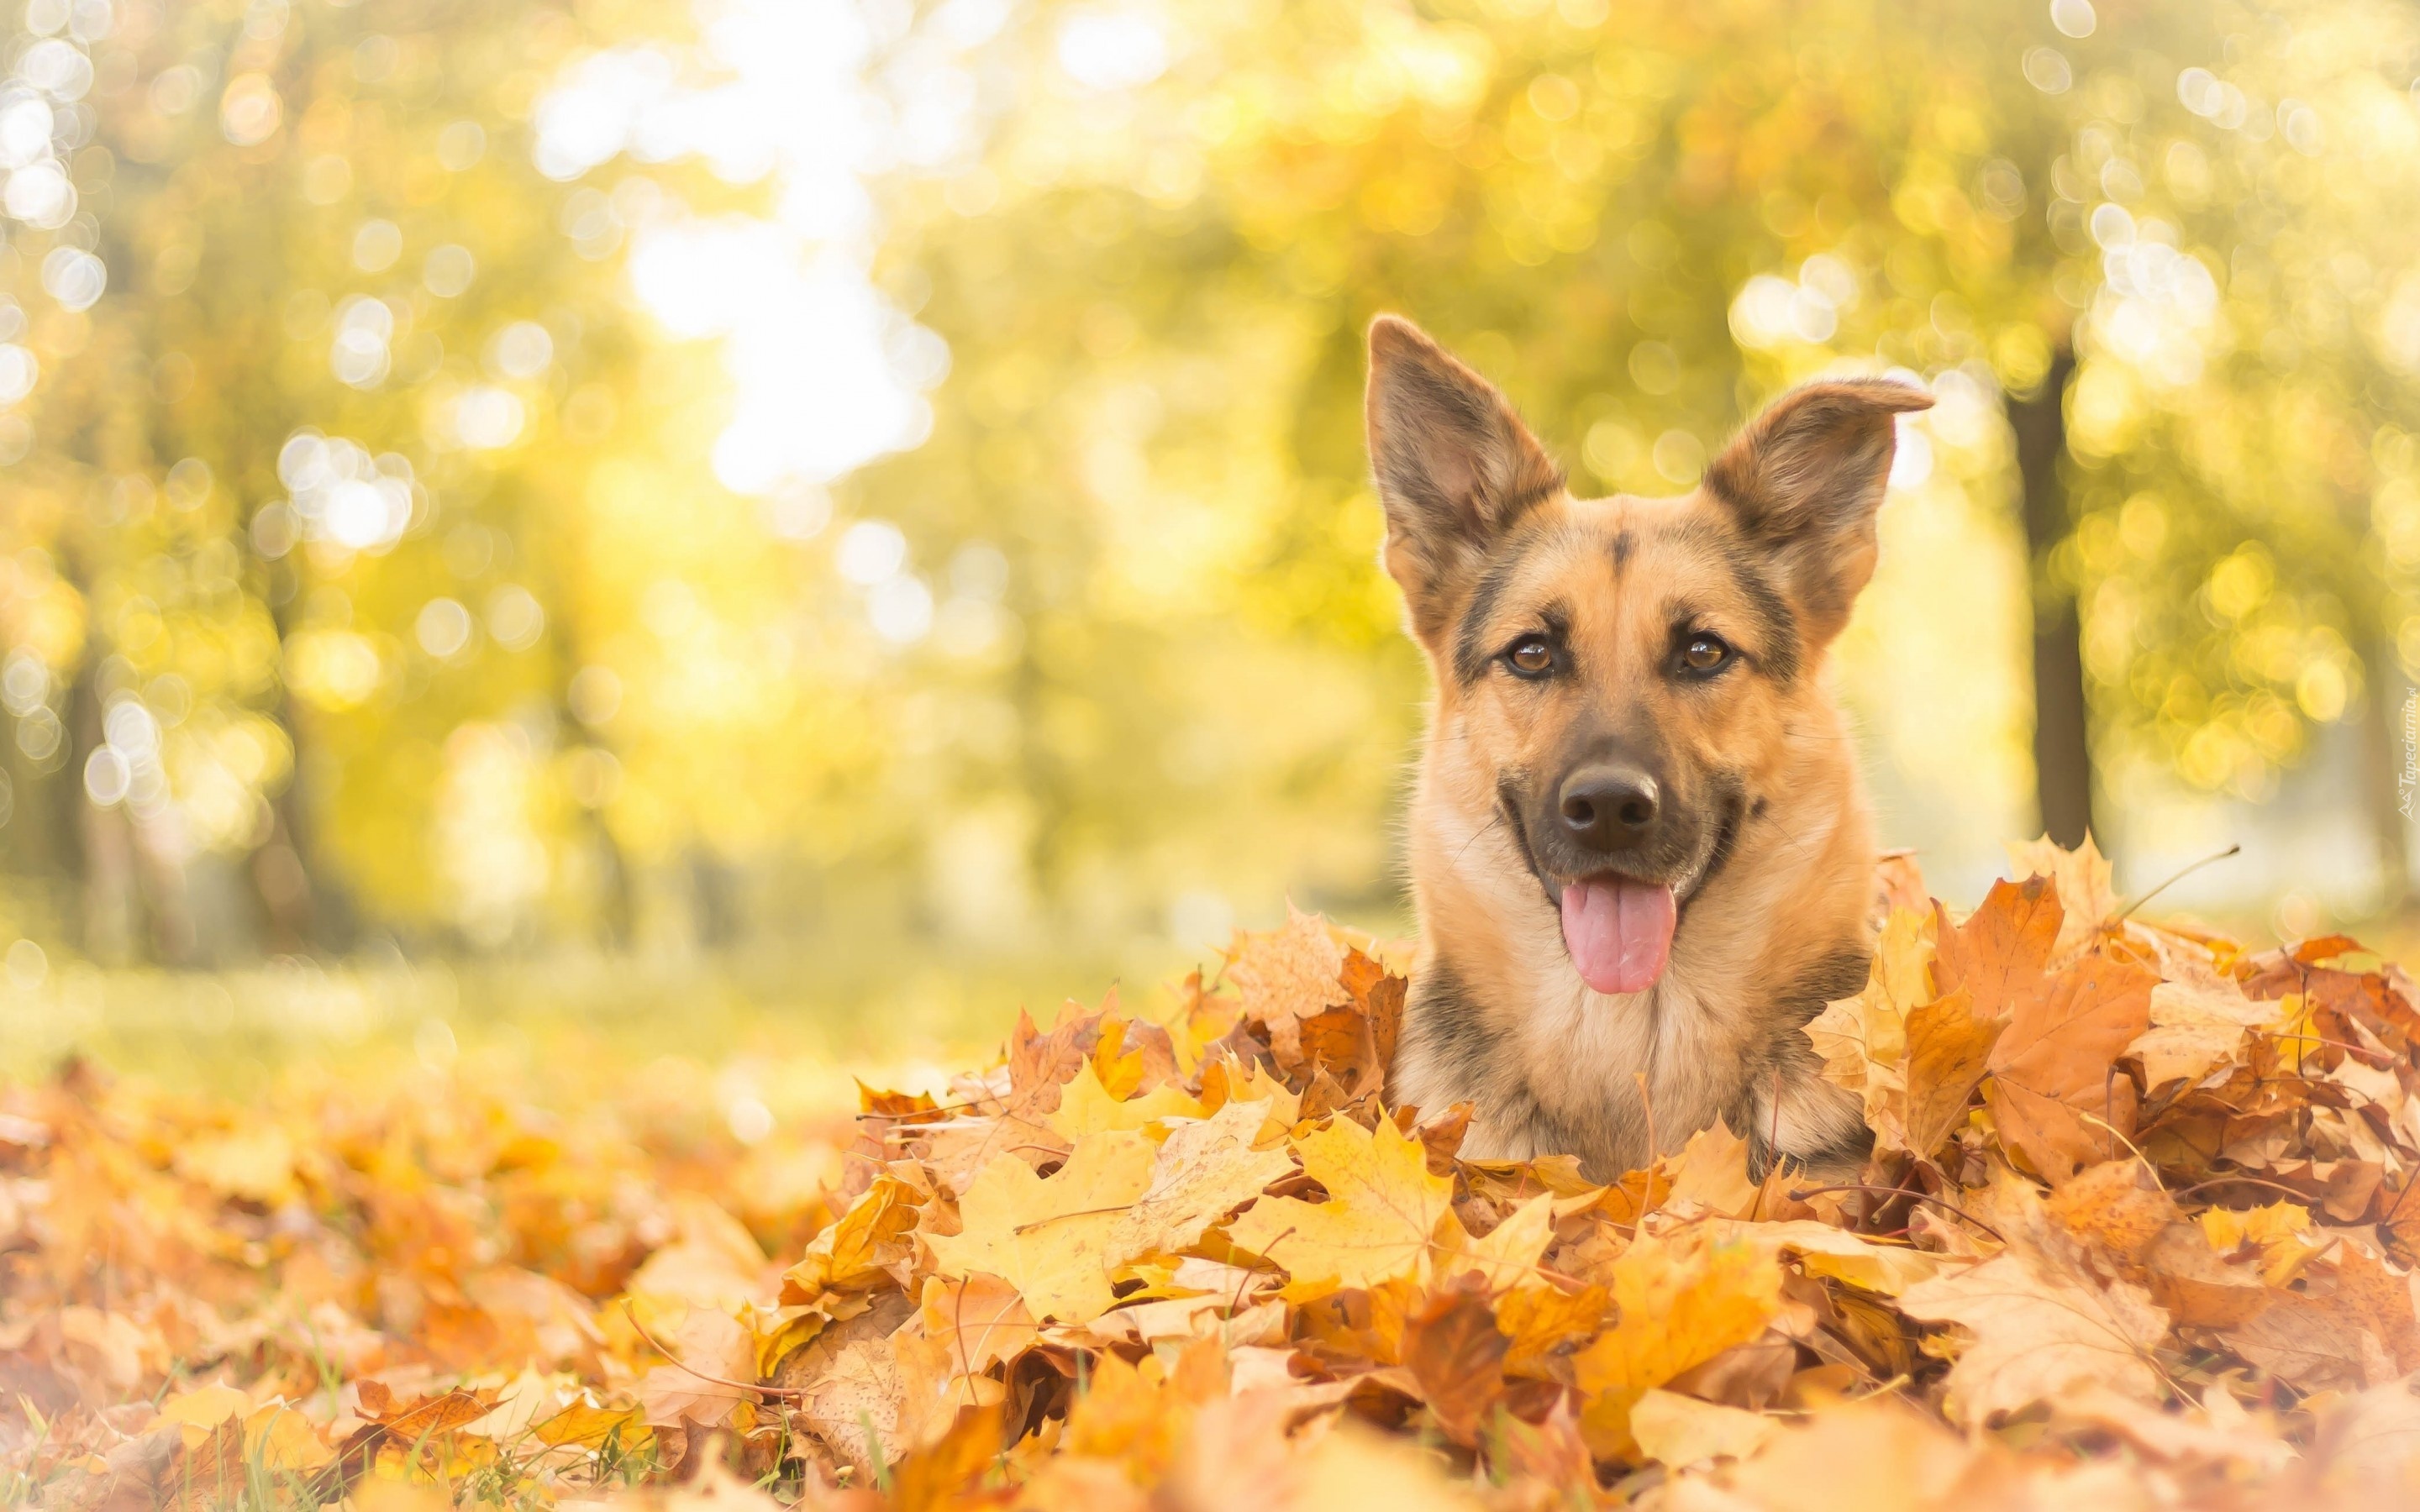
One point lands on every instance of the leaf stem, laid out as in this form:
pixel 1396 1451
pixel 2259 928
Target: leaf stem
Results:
pixel 1802 1194
pixel 627 1311
pixel 2215 856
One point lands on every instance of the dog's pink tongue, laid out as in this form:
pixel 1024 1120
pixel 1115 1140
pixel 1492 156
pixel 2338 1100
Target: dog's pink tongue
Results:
pixel 1619 933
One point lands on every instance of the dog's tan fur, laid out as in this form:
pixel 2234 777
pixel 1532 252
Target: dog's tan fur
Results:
pixel 1770 851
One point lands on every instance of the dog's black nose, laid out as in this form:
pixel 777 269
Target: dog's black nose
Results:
pixel 1610 808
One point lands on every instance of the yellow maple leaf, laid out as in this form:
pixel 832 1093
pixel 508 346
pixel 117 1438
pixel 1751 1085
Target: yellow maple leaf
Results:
pixel 583 1425
pixel 1540 1318
pixel 1712 1171
pixel 2281 1231
pixel 200 1410
pixel 1136 1417
pixel 1086 1107
pixel 1509 1253
pixel 1870 1029
pixel 1824 1250
pixel 1288 975
pixel 1379 1220
pixel 1047 1237
pixel 1685 1298
pixel 1224 1081
pixel 256 1164
pixel 1204 1170
pixel 1678 1431
pixel 283 1440
pixel 856 1248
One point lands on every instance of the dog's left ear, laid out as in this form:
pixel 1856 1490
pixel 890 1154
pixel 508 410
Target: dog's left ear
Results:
pixel 1805 481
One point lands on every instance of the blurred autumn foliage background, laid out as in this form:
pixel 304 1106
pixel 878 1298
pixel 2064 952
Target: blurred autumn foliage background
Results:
pixel 656 508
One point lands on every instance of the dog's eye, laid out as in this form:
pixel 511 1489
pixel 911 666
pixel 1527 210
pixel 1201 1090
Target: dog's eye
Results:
pixel 1531 657
pixel 1703 654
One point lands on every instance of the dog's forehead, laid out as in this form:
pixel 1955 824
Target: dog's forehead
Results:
pixel 1642 549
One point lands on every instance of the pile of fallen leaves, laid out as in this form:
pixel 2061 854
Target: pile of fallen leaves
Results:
pixel 2134 1234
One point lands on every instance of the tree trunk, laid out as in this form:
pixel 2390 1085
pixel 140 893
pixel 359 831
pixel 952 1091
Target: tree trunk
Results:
pixel 301 909
pixel 2387 759
pixel 2062 733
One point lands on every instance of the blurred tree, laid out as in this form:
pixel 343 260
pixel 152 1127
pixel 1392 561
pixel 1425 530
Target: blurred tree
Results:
pixel 1645 221
pixel 440 438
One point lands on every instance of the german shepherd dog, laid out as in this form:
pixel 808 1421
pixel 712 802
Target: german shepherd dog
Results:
pixel 1639 846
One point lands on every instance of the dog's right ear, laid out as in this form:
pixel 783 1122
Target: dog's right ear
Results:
pixel 1454 464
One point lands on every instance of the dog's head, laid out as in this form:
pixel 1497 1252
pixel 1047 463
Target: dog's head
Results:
pixel 1621 672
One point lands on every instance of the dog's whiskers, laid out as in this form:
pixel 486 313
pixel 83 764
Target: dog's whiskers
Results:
pixel 1493 819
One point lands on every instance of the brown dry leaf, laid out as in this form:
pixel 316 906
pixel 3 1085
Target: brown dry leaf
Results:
pixel 2087 898
pixel 209 1476
pixel 981 1319
pixel 2037 1322
pixel 1949 1041
pixel 1204 1170
pixel 2379 1297
pixel 715 1360
pixel 957 1151
pixel 2310 1346
pixel 1839 1035
pixel 2055 1139
pixel 2000 953
pixel 1039 1064
pixel 2117 1204
pixel 1381 1214
pixel 2369 1442
pixel 887 1396
pixel 2197 1026
pixel 2061 1041
pixel 1049 1239
pixel 426 1417
pixel 1289 975
pixel 2198 1288
pixel 1456 1353
pixel 1354 1041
